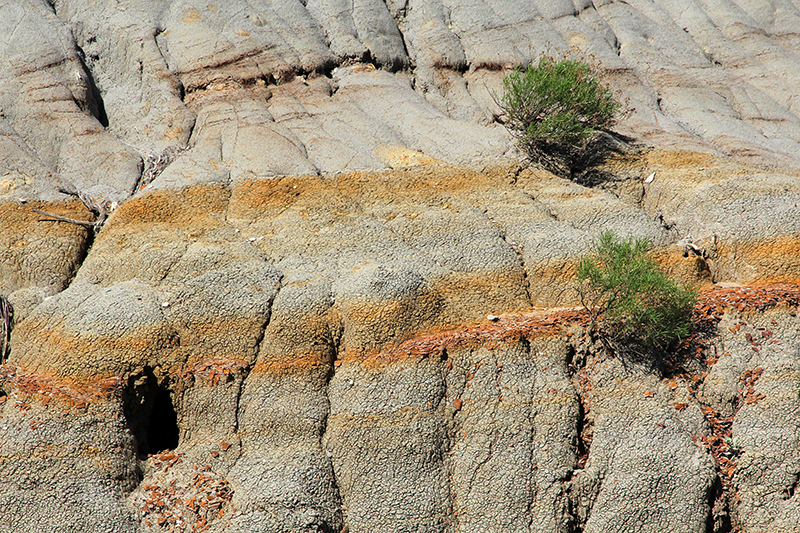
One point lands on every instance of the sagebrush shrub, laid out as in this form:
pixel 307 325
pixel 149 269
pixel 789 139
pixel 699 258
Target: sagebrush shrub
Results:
pixel 630 300
pixel 554 109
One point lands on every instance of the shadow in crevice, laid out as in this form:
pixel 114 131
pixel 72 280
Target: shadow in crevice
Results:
pixel 6 325
pixel 585 165
pixel 719 519
pixel 94 99
pixel 150 414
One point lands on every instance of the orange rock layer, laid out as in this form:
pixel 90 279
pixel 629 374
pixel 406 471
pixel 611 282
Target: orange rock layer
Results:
pixel 77 393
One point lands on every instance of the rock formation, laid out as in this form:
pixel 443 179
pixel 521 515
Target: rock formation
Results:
pixel 282 325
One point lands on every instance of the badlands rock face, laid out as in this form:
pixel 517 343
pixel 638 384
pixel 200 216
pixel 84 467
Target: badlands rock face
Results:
pixel 282 327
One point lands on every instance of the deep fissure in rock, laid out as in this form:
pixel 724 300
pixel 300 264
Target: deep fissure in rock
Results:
pixel 579 366
pixel 790 490
pixel 6 325
pixel 83 253
pixel 719 519
pixel 94 99
pixel 150 414
pixel 696 357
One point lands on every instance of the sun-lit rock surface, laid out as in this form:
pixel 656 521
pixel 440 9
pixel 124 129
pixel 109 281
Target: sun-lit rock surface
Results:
pixel 325 297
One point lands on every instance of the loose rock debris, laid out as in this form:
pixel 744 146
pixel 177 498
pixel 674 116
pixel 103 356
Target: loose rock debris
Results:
pixel 183 507
pixel 215 371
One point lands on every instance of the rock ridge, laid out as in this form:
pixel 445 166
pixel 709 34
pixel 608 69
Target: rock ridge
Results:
pixel 471 376
pixel 284 325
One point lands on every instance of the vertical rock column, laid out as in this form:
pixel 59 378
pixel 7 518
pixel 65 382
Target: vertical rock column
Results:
pixel 283 480
pixel 514 436
pixel 388 437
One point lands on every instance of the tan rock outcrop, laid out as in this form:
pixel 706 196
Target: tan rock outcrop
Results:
pixel 333 296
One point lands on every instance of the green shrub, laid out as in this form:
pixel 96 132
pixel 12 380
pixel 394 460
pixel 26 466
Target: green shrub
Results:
pixel 630 301
pixel 554 109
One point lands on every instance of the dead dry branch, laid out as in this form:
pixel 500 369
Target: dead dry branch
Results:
pixel 6 322
pixel 100 210
pixel 154 165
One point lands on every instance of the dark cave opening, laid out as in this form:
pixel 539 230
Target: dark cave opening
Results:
pixel 151 414
pixel 162 426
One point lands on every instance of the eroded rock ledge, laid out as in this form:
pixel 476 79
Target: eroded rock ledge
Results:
pixel 282 327
pixel 91 92
pixel 310 353
pixel 498 426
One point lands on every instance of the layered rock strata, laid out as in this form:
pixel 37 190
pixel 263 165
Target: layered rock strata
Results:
pixel 283 325
pixel 268 337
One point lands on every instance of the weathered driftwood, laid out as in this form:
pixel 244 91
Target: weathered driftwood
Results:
pixel 6 323
pixel 154 164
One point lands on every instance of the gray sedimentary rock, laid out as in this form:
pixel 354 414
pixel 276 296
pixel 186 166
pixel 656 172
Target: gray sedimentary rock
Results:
pixel 283 326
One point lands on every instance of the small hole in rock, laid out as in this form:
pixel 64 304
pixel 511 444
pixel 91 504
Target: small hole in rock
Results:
pixel 163 424
pixel 150 414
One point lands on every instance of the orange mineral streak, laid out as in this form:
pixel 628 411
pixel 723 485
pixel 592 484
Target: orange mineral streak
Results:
pixel 38 250
pixel 494 287
pixel 489 334
pixel 296 364
pixel 415 181
pixel 262 199
pixel 552 284
pixel 69 354
pixel 46 387
pixel 79 393
pixel 690 270
pixel 22 215
pixel 509 328
pixel 780 256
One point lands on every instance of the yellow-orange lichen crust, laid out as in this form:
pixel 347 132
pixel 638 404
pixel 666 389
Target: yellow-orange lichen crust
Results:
pixel 37 250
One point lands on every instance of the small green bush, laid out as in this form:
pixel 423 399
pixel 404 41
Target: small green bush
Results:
pixel 554 109
pixel 634 304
